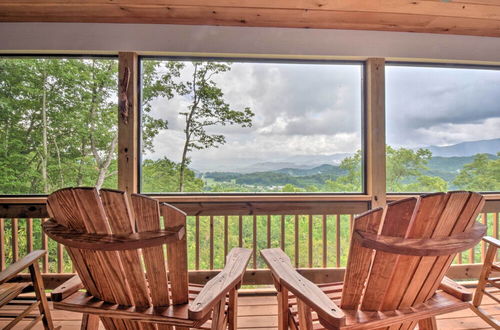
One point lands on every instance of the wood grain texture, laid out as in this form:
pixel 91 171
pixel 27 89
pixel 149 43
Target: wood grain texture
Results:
pixel 391 288
pixel 154 258
pixel 176 255
pixel 67 288
pixel 423 246
pixel 20 265
pixel 111 242
pixel 136 279
pixel 397 221
pixel 128 121
pixel 428 16
pixel 302 288
pixel 484 280
pixel 11 290
pixel 359 262
pixel 375 131
pixel 451 287
pixel 218 287
pixel 232 205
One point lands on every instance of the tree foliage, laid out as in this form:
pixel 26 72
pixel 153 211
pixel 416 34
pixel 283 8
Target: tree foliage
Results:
pixel 58 128
pixel 483 174
pixel 58 124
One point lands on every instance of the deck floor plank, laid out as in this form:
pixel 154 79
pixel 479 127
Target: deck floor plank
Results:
pixel 260 313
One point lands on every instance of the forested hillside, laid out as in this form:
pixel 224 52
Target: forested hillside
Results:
pixel 58 128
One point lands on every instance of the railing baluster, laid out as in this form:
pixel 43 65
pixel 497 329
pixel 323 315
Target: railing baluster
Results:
pixel 211 242
pixel 45 246
pixel 29 235
pixel 495 228
pixel 282 219
pixel 310 239
pixel 15 240
pixel 226 243
pixel 484 218
pixel 337 235
pixel 268 218
pixel 2 244
pixel 351 223
pixel 240 231
pixel 254 242
pixel 296 218
pixel 471 256
pixel 197 243
pixel 324 241
pixel 495 225
pixel 60 258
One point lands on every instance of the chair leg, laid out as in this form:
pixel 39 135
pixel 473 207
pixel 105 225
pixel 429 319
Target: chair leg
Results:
pixel 90 322
pixel 218 315
pixel 232 311
pixel 481 287
pixel 427 324
pixel 305 316
pixel 283 309
pixel 485 272
pixel 37 280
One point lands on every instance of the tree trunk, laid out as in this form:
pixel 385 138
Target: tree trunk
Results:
pixel 183 165
pixel 79 176
pixel 59 163
pixel 45 151
pixel 187 131
pixel 104 166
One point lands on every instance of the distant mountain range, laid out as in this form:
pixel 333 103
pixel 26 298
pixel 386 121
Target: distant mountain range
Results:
pixel 456 156
pixel 465 149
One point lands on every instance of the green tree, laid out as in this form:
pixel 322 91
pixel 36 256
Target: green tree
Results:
pixel 162 175
pixel 206 108
pixel 483 174
pixel 351 181
pixel 291 188
pixel 406 168
pixel 60 123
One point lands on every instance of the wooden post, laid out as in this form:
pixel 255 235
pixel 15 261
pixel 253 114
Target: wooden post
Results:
pixel 128 122
pixel 375 131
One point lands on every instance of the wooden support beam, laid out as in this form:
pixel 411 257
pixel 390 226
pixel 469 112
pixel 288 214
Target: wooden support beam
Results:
pixel 375 131
pixel 467 17
pixel 128 122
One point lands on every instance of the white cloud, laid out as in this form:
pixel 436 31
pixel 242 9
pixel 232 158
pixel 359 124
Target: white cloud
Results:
pixel 315 109
pixel 299 110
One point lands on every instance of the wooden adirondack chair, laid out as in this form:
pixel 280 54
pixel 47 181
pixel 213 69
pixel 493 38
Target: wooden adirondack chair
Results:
pixel 116 244
pixel 398 259
pixel 9 290
pixel 489 276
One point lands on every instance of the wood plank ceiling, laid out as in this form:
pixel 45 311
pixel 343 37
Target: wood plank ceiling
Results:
pixel 464 17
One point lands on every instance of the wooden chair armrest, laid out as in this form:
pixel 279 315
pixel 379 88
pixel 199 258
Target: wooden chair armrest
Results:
pixel 218 287
pixel 67 288
pixel 492 241
pixel 102 242
pixel 423 246
pixel 302 288
pixel 451 287
pixel 18 266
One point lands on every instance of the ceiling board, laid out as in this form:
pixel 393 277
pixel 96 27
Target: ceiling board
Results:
pixel 465 17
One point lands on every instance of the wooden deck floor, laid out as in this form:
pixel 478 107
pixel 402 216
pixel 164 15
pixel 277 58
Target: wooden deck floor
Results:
pixel 259 312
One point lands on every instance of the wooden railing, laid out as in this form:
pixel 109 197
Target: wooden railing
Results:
pixel 311 240
pixel 314 234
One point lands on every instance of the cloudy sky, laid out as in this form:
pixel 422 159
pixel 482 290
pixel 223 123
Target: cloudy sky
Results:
pixel 441 106
pixel 309 112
